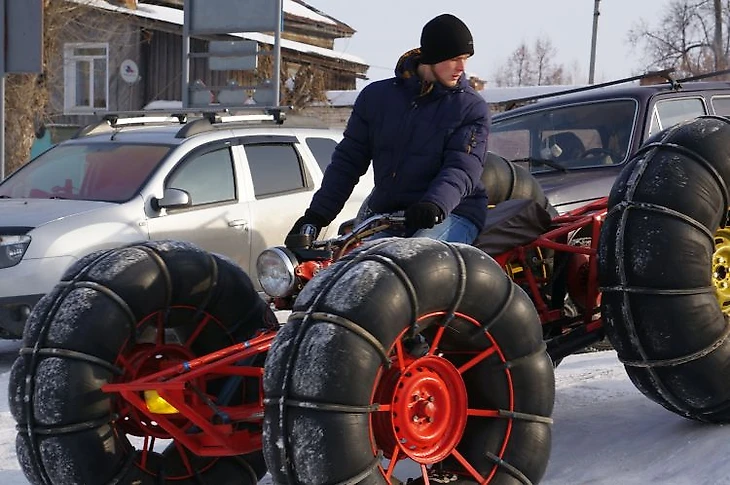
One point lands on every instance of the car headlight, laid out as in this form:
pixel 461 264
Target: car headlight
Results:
pixel 275 269
pixel 12 249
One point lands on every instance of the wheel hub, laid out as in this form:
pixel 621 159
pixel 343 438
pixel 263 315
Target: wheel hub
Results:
pixel 721 269
pixel 144 360
pixel 429 409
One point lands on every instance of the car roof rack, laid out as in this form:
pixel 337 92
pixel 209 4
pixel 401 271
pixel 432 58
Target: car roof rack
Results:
pixel 193 121
pixel 664 73
pixel 706 75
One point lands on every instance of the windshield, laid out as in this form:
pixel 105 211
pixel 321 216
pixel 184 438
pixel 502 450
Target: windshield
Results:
pixel 576 136
pixel 95 171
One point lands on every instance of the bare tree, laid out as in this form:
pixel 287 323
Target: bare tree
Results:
pixel 532 66
pixel 543 54
pixel 691 37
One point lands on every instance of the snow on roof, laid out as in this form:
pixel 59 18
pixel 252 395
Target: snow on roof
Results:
pixel 341 98
pixel 301 47
pixel 162 104
pixel 299 10
pixel 175 16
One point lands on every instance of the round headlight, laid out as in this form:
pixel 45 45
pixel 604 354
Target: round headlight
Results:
pixel 275 269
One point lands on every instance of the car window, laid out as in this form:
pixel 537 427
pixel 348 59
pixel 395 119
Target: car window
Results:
pixel 576 136
pixel 721 105
pixel 322 149
pixel 275 169
pixel 669 112
pixel 208 178
pixel 88 171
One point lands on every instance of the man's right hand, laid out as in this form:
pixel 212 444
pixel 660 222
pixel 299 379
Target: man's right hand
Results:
pixel 310 218
pixel 423 215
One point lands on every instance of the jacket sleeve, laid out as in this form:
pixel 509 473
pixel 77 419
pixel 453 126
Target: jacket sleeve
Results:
pixel 350 161
pixel 463 160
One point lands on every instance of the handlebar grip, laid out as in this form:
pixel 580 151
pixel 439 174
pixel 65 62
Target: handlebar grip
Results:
pixel 309 230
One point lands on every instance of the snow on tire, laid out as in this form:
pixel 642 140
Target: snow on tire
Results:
pixel 109 309
pixel 409 349
pixel 664 273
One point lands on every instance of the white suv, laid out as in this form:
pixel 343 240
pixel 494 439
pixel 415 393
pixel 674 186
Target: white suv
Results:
pixel 234 185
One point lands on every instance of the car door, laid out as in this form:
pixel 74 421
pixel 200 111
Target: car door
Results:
pixel 216 220
pixel 281 186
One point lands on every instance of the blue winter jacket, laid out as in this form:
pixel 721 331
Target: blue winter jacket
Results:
pixel 427 142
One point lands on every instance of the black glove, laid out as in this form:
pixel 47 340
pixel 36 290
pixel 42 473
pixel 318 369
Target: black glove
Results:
pixel 423 215
pixel 309 218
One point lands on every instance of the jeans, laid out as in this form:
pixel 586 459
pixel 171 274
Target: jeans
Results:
pixel 453 229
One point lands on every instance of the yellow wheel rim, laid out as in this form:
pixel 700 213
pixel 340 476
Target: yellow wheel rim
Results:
pixel 721 269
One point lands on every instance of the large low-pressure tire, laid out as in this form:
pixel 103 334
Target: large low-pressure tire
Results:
pixel 506 181
pixel 114 316
pixel 409 349
pixel 664 273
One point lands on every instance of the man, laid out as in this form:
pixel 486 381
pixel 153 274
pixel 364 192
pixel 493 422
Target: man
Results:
pixel 425 131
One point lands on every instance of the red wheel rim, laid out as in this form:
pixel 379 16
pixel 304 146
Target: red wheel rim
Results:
pixel 396 435
pixel 145 358
pixel 429 409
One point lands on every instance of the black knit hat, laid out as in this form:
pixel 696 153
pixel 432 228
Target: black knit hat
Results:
pixel 445 37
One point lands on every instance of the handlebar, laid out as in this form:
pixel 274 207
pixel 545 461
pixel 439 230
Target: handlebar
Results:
pixel 372 225
pixel 309 230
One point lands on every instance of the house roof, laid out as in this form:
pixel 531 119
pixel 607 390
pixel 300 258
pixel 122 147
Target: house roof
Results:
pixel 175 16
pixel 298 8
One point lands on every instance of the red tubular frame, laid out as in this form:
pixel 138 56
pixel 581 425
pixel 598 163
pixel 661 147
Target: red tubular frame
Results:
pixel 590 215
pixel 176 385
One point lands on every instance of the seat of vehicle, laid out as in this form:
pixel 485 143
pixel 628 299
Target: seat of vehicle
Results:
pixel 571 147
pixel 512 223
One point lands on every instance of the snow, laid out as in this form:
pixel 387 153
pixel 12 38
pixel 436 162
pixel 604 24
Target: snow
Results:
pixel 605 431
pixel 163 104
pixel 342 97
pixel 175 16
pixel 299 10
pixel 355 286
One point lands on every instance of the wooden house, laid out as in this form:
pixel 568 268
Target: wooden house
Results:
pixel 119 55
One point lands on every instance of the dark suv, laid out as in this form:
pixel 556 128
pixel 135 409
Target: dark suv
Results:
pixel 576 142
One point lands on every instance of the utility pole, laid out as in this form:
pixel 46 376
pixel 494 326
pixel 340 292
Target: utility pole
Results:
pixel 592 68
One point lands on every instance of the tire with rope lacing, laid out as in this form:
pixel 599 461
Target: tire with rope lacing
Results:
pixel 118 315
pixel 664 269
pixel 413 351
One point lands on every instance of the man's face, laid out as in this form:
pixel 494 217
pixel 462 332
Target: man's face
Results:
pixel 449 71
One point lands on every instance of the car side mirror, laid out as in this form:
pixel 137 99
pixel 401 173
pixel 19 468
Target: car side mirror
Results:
pixel 171 199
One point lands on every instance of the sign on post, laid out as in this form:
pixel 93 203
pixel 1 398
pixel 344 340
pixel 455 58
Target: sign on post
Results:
pixel 21 36
pixel 233 55
pixel 231 17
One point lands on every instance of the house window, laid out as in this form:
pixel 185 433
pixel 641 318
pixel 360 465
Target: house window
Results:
pixel 86 77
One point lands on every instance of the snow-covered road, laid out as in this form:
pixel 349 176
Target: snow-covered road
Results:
pixel 605 432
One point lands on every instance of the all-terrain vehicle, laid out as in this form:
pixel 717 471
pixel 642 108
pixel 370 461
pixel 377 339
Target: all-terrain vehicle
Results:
pixel 401 358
